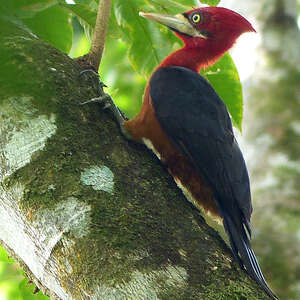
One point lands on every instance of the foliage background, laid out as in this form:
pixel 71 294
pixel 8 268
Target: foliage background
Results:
pixel 134 47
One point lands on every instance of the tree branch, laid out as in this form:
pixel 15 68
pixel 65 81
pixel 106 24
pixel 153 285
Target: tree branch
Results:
pixel 98 40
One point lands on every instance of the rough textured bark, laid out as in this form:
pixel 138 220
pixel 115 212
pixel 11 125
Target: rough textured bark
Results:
pixel 88 214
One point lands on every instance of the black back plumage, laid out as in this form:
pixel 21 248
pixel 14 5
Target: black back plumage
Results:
pixel 197 122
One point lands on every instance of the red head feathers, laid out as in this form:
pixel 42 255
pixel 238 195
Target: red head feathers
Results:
pixel 207 34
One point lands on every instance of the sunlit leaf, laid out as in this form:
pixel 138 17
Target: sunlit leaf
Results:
pixel 171 6
pixel 85 15
pixel 27 290
pixel 86 12
pixel 92 3
pixel 176 6
pixel 146 42
pixel 210 2
pixel 124 85
pixel 82 11
pixel 224 77
pixel 4 256
pixel 81 44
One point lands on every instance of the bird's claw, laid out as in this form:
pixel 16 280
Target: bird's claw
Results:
pixel 101 85
pixel 88 71
pixel 104 100
pixel 107 102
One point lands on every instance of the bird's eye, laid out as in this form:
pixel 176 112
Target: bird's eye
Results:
pixel 196 18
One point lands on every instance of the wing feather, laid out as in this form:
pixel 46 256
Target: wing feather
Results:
pixel 197 121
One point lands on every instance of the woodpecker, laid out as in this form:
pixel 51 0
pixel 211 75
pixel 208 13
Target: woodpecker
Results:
pixel 187 125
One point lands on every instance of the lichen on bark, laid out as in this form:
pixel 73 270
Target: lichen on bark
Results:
pixel 143 241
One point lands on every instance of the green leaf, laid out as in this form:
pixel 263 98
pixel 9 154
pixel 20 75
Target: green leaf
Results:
pixel 4 256
pixel 82 11
pixel 92 3
pixel 85 15
pixel 45 18
pixel 27 291
pixel 52 25
pixel 25 8
pixel 122 81
pixel 171 6
pixel 146 40
pixel 210 2
pixel 224 77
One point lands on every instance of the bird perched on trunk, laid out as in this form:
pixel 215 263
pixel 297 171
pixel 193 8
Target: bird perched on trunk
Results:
pixel 187 125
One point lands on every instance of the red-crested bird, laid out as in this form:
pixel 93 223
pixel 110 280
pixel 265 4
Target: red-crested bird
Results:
pixel 187 125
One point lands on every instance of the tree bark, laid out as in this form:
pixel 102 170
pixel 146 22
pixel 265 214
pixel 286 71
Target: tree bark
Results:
pixel 86 213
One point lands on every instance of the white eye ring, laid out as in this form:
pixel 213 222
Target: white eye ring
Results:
pixel 196 18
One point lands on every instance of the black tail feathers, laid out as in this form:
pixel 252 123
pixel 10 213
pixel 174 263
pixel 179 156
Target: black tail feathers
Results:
pixel 244 254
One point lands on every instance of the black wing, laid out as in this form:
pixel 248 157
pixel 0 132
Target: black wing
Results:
pixel 192 114
pixel 197 122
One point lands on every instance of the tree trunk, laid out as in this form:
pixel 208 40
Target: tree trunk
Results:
pixel 86 213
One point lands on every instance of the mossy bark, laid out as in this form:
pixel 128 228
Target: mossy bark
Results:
pixel 88 214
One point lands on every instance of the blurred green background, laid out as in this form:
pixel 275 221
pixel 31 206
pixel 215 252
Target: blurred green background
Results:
pixel 271 129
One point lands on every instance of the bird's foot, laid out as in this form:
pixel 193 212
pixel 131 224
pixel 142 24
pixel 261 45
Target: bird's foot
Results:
pixel 99 83
pixel 104 100
pixel 107 103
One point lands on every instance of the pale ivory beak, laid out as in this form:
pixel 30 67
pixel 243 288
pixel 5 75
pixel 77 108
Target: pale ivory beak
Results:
pixel 177 23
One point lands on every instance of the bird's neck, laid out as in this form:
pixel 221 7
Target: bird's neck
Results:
pixel 191 58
